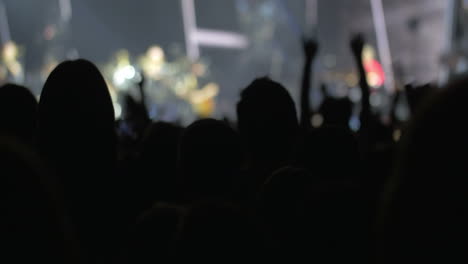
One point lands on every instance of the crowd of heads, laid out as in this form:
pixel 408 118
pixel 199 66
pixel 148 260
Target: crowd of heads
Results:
pixel 266 187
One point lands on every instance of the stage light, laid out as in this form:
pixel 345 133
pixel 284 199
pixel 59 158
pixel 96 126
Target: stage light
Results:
pixel 129 72
pixel 124 74
pixel 10 51
pixel 374 72
pixel 374 80
pixel 317 120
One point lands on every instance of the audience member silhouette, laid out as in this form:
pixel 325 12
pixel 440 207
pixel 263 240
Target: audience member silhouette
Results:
pixel 209 160
pixel 77 138
pixel 276 189
pixel 417 95
pixel 157 165
pixel 332 154
pixel 269 128
pixel 18 113
pixel 336 111
pixel 425 212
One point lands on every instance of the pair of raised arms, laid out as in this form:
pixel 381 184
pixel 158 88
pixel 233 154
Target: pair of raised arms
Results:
pixel 310 47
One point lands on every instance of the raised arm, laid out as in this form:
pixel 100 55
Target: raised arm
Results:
pixel 357 46
pixel 310 50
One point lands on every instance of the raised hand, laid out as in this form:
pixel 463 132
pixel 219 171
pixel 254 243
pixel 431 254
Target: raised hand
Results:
pixel 310 48
pixel 357 47
pixel 357 44
pixel 141 82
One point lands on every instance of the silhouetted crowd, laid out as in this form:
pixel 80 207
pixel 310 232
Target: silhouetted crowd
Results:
pixel 269 187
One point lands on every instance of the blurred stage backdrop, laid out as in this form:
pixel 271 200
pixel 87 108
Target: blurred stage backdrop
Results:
pixel 196 55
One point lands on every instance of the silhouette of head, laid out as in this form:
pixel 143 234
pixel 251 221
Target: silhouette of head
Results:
pixel 159 146
pixel 331 153
pixel 425 211
pixel 76 115
pixel 417 95
pixel 336 111
pixel 267 120
pixel 77 137
pixel 18 112
pixel 209 158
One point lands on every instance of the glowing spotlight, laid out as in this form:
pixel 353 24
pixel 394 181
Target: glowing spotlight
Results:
pixel 129 72
pixel 317 120
pixel 374 71
pixel 10 51
pixel 124 74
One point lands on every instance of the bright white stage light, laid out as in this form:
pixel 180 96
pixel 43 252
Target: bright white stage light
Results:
pixel 317 120
pixel 123 74
pixel 65 10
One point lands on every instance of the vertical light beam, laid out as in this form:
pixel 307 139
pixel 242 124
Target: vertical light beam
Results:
pixel 190 27
pixel 65 10
pixel 311 17
pixel 383 43
pixel 4 25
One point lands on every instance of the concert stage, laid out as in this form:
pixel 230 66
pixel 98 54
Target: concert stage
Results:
pixel 196 55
